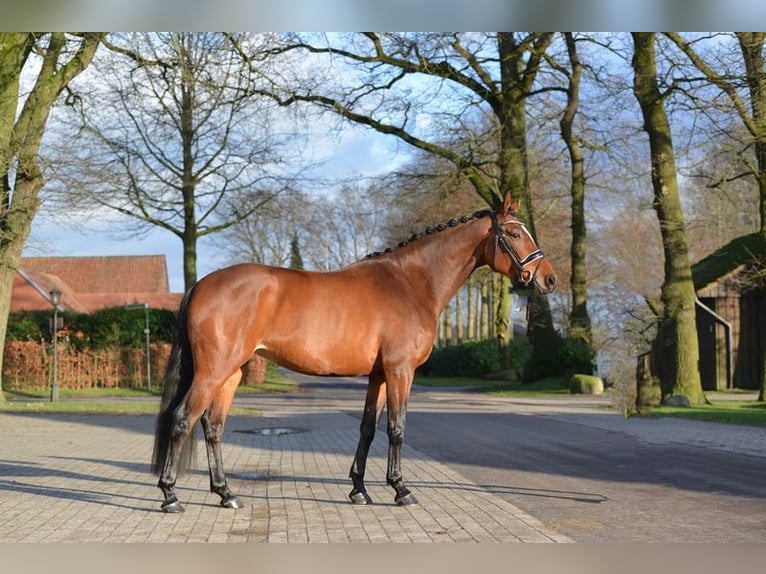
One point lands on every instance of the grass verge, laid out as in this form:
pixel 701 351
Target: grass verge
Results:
pixel 120 401
pixel 732 412
pixel 747 412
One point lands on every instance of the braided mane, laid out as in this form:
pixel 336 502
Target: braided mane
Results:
pixel 431 230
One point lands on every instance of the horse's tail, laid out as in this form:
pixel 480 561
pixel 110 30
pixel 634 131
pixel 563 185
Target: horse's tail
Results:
pixel 178 378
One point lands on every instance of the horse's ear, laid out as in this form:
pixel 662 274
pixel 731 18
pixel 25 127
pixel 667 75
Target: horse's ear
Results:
pixel 509 206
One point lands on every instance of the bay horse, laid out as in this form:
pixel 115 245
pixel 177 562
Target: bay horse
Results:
pixel 376 317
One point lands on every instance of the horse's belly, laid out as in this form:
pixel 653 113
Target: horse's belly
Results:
pixel 319 359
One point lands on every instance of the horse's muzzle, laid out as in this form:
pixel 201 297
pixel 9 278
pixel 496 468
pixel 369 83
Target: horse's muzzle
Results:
pixel 545 279
pixel 549 281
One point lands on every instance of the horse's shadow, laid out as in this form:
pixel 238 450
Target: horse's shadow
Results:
pixel 497 490
pixel 12 471
pixel 78 494
pixel 18 477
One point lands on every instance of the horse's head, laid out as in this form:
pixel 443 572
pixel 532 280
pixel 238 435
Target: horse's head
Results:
pixel 514 253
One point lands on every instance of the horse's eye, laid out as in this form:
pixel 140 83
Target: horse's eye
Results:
pixel 515 234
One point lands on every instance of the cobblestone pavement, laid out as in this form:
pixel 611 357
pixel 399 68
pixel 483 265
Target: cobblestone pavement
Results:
pixel 85 478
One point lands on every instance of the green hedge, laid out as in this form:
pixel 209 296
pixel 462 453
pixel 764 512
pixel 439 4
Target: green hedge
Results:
pixel 555 355
pixel 475 359
pixel 104 329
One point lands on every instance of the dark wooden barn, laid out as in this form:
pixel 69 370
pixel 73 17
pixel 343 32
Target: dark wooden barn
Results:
pixel 731 315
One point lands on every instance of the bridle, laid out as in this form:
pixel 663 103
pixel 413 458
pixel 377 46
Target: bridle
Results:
pixel 522 263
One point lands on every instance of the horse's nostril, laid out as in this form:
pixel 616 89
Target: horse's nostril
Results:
pixel 550 281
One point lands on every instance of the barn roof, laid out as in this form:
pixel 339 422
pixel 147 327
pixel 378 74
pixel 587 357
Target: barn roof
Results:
pixel 727 259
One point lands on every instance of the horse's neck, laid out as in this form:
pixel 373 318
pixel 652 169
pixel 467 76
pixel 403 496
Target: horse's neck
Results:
pixel 443 262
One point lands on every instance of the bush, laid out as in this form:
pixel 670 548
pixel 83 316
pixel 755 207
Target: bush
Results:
pixel 29 326
pixel 580 384
pixel 649 395
pixel 468 359
pixel 518 353
pixel 555 355
pixel 476 359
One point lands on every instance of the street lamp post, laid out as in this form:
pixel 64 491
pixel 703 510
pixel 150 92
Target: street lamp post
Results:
pixel 55 300
pixel 145 307
pixel 148 349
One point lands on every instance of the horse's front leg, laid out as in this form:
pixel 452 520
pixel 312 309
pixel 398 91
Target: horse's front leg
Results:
pixel 373 407
pixel 398 393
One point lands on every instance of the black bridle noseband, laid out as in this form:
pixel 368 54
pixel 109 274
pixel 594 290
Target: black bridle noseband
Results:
pixel 501 240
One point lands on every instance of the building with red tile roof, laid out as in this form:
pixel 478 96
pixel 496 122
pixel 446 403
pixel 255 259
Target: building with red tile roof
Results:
pixel 91 283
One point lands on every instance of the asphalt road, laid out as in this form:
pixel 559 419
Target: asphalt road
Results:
pixel 591 484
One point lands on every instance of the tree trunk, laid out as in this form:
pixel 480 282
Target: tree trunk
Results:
pixel 470 332
pixel 485 307
pixel 579 319
pixel 678 329
pixel 448 334
pixel 518 70
pixel 20 138
pixel 190 232
pixel 189 238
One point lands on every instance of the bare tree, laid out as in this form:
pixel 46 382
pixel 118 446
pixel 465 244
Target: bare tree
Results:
pixel 171 137
pixel 331 230
pixel 347 226
pixel 265 235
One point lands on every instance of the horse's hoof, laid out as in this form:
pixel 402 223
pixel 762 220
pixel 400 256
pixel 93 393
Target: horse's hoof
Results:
pixel 232 502
pixel 360 497
pixel 172 506
pixel 406 499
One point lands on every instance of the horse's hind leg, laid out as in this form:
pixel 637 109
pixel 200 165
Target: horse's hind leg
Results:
pixel 373 407
pixel 399 382
pixel 213 423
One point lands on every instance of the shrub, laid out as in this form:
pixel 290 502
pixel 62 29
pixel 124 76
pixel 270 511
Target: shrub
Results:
pixel 476 359
pixel 649 395
pixel 555 355
pixel 517 354
pixel 29 326
pixel 580 384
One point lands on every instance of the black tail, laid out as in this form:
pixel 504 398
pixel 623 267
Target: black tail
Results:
pixel 178 378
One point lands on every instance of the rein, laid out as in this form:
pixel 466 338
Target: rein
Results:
pixel 500 239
